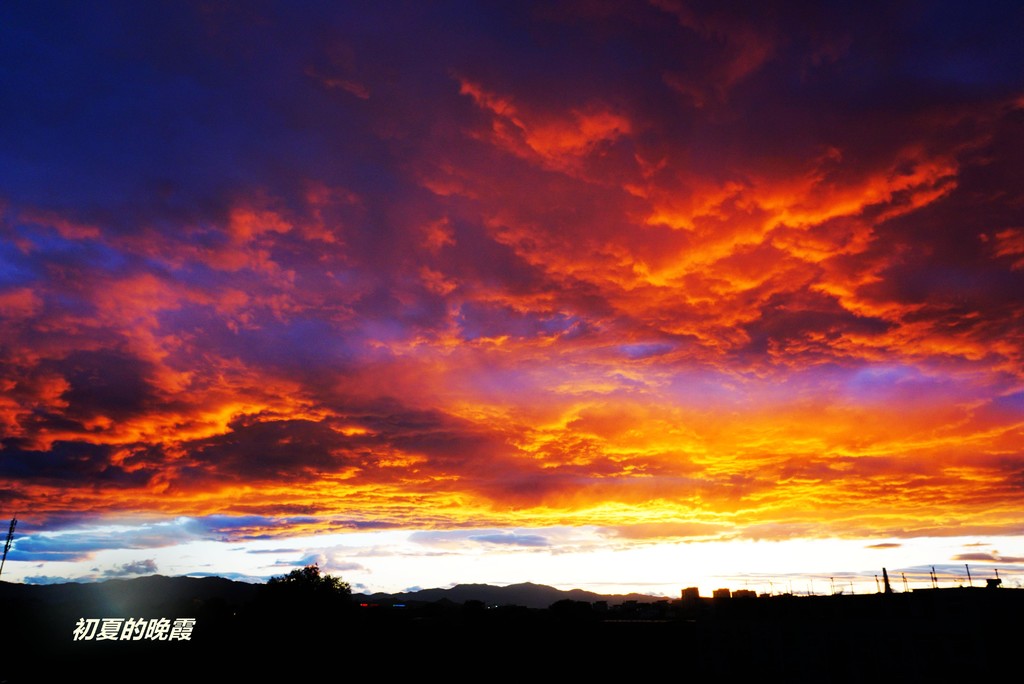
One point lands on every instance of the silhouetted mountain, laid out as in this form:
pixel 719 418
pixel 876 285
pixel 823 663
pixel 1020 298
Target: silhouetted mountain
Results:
pixel 526 594
pixel 155 593
pixel 135 596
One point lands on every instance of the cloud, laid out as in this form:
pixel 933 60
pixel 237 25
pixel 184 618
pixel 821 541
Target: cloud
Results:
pixel 668 530
pixel 331 559
pixel 884 545
pixel 236 576
pixel 143 567
pixel 325 562
pixel 509 270
pixel 461 538
pixel 511 539
pixel 993 557
pixel 78 543
pixel 48 579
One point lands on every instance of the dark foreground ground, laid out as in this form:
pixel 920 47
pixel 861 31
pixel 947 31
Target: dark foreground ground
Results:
pixel 247 632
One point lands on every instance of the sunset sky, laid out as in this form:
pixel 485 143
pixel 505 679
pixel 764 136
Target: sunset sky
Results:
pixel 616 295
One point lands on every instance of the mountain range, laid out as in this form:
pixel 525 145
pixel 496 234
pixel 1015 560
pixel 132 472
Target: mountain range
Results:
pixel 525 594
pixel 128 596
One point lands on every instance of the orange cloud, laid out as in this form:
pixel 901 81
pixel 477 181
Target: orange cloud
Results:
pixel 559 142
pixel 711 279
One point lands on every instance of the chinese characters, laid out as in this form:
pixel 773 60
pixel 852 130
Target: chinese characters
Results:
pixel 133 629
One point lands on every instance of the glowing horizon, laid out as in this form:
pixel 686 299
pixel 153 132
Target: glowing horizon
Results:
pixel 587 278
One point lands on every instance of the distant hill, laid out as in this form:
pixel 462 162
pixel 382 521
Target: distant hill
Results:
pixel 526 594
pixel 156 592
pixel 135 596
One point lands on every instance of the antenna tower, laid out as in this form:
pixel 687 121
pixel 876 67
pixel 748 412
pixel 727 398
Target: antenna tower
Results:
pixel 7 546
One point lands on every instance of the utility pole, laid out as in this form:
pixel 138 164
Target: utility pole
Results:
pixel 7 546
pixel 970 582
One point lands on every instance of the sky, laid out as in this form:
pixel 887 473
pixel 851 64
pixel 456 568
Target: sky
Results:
pixel 612 295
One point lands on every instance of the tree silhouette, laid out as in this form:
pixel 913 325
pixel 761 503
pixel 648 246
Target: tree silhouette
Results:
pixel 309 582
pixel 320 603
